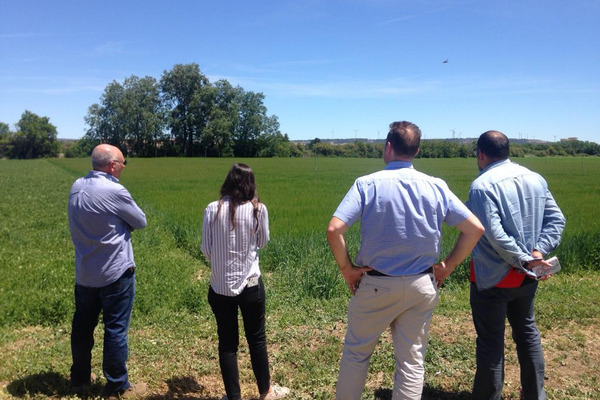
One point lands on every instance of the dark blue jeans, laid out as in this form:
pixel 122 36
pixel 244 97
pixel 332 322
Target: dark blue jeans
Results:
pixel 490 308
pixel 115 301
pixel 252 304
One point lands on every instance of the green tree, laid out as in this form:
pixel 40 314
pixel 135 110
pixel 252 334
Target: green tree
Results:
pixel 361 148
pixel 4 130
pixel 313 143
pixel 465 150
pixel 130 116
pixel 36 137
pixel 82 148
pixel 187 95
pixel 252 122
pixel 142 115
pixel 103 119
pixel 182 114
pixel 5 135
pixel 271 143
pixel 517 151
pixel 218 134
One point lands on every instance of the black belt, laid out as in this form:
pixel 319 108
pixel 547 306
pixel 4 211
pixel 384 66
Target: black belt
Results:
pixel 374 272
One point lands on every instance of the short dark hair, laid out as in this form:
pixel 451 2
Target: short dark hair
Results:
pixel 494 144
pixel 405 138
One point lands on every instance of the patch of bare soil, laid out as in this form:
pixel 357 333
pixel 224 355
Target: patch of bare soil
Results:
pixel 571 354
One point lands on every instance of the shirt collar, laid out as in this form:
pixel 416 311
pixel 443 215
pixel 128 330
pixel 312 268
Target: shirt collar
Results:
pixel 106 175
pixel 494 165
pixel 398 165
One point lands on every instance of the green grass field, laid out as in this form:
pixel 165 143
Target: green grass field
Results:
pixel 173 336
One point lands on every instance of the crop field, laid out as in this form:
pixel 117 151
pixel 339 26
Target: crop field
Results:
pixel 173 344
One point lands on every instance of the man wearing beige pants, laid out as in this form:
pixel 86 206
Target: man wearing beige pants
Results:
pixel 401 212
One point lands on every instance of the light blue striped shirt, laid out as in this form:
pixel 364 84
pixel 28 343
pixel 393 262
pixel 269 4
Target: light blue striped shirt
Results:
pixel 401 212
pixel 102 215
pixel 233 253
pixel 519 215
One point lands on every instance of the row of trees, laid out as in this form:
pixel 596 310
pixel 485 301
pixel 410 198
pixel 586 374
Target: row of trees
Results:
pixel 445 148
pixel 34 137
pixel 184 114
pixel 518 148
pixel 562 148
pixel 365 149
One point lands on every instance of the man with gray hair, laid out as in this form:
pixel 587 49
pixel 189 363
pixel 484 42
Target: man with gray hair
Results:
pixel 102 215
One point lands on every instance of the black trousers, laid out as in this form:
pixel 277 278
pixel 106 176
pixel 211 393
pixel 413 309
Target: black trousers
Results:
pixel 251 302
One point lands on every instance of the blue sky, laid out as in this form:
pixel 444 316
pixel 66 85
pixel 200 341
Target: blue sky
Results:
pixel 328 69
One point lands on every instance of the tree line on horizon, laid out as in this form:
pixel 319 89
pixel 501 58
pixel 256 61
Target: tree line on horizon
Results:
pixel 36 137
pixel 447 148
pixel 185 115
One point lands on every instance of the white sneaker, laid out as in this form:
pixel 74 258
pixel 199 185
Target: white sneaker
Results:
pixel 276 392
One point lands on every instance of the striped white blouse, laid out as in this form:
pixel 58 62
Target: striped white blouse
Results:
pixel 233 254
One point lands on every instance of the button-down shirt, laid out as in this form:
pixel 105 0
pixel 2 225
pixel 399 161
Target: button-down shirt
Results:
pixel 519 215
pixel 102 215
pixel 401 212
pixel 233 251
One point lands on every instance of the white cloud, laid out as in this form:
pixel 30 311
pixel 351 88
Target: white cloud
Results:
pixel 16 35
pixel 109 48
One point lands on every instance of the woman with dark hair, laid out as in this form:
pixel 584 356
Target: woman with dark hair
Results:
pixel 233 229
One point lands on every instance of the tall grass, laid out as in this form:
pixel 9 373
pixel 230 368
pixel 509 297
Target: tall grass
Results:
pixel 37 253
pixel 35 264
pixel 307 297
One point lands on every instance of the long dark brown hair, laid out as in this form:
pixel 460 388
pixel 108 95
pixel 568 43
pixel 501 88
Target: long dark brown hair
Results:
pixel 240 187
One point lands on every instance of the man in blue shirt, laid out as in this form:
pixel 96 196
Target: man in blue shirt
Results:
pixel 401 212
pixel 522 225
pixel 102 215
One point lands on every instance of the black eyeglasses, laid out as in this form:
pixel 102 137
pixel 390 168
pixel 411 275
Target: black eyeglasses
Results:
pixel 124 162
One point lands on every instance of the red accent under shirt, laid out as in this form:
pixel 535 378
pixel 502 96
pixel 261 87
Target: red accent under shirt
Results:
pixel 512 280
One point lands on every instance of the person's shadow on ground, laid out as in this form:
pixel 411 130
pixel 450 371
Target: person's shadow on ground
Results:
pixel 428 394
pixel 183 388
pixel 49 384
pixel 54 385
